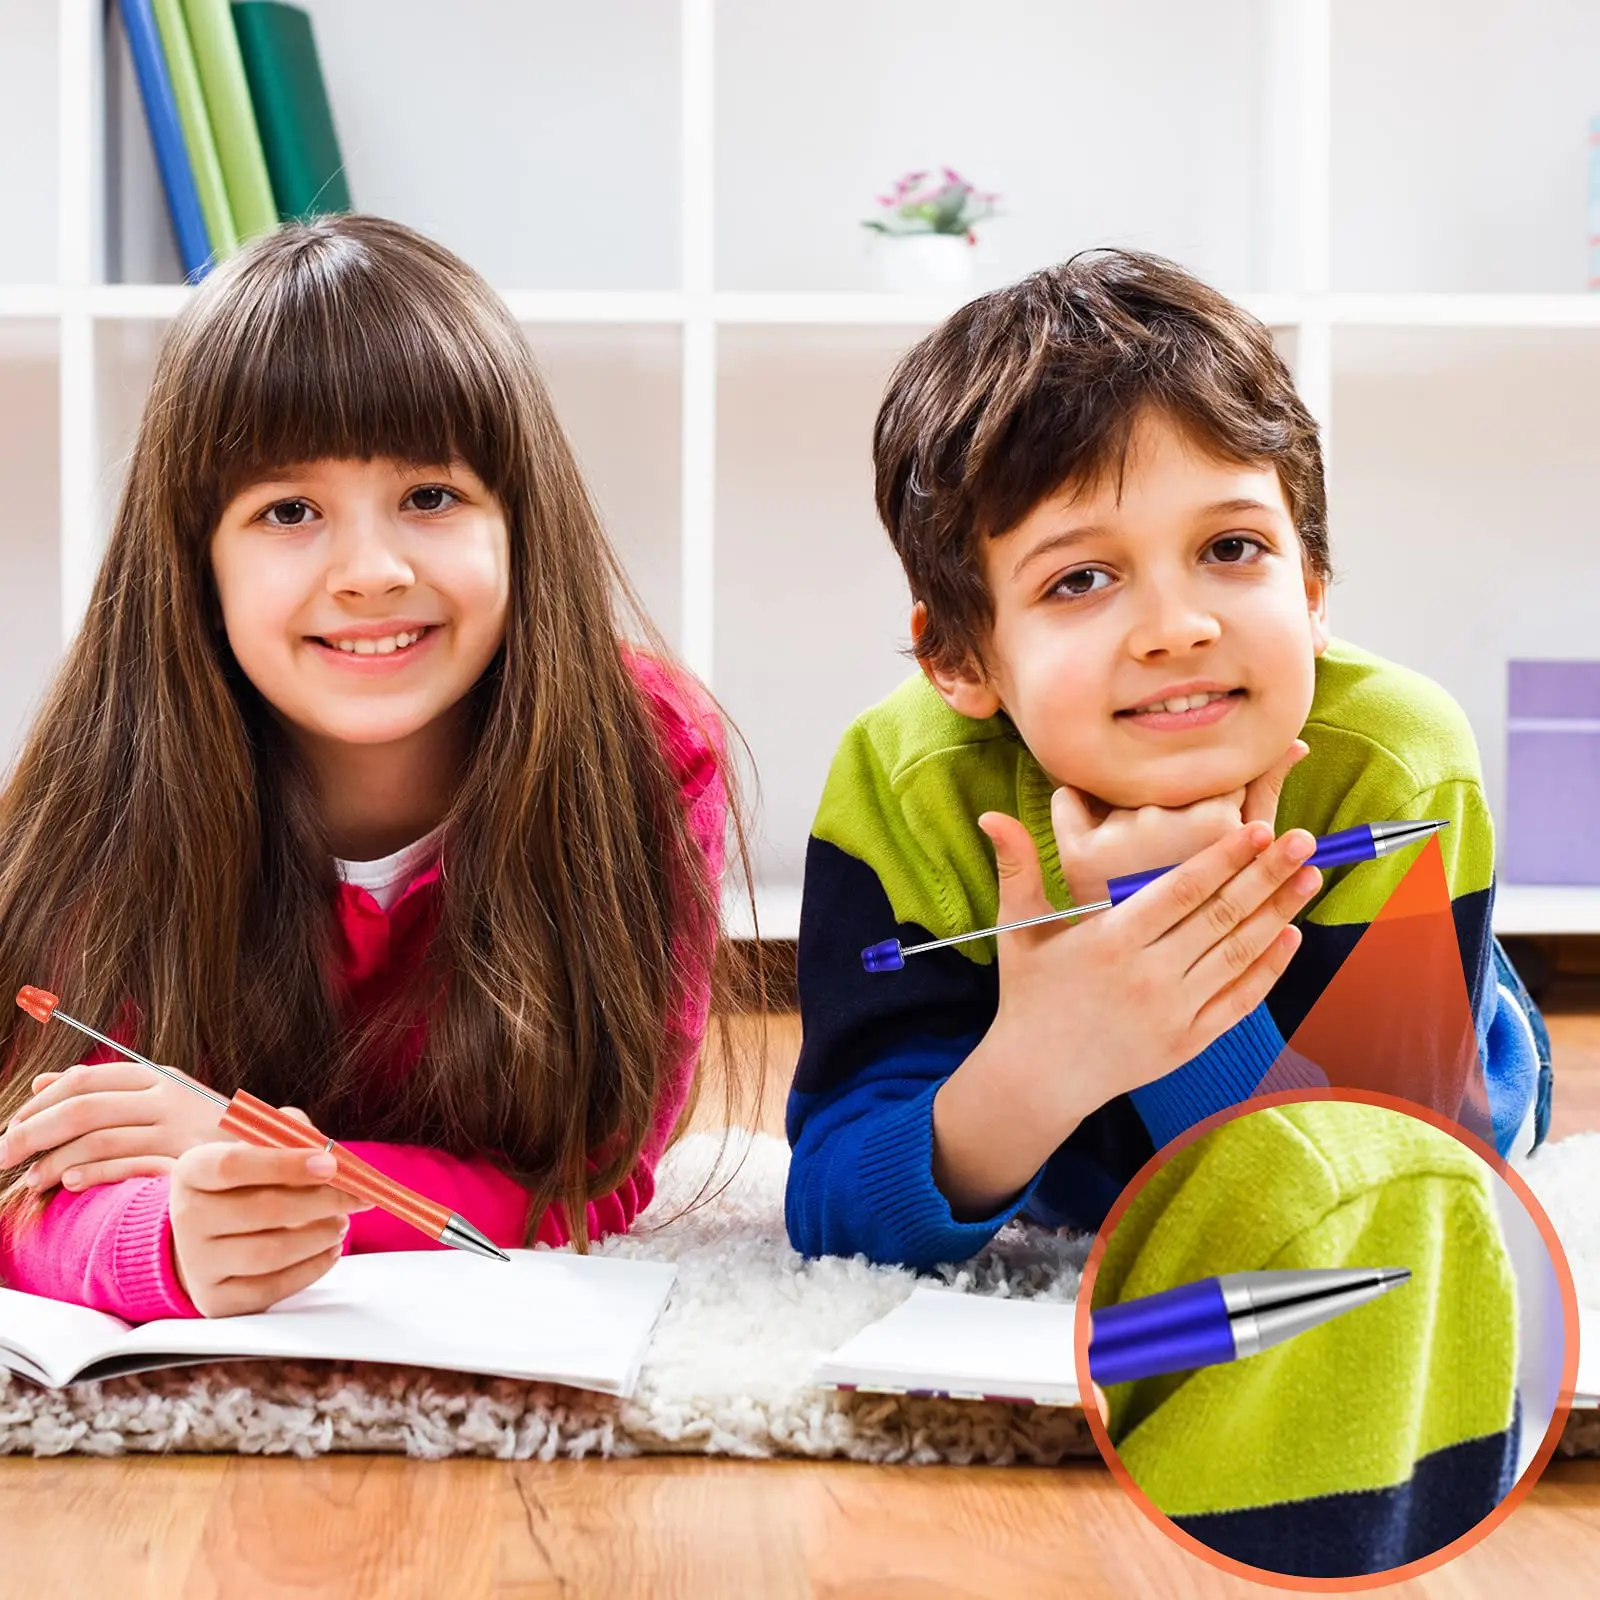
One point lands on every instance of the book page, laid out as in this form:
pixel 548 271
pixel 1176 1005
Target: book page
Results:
pixel 968 1346
pixel 556 1316
pixel 50 1340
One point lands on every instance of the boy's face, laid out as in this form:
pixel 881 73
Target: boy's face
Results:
pixel 1187 583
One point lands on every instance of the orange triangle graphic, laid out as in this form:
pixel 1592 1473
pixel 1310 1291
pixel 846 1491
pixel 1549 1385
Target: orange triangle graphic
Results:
pixel 1396 1017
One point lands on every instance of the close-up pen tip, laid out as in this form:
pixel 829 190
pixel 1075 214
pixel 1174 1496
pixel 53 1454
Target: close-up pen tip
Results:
pixel 1393 1277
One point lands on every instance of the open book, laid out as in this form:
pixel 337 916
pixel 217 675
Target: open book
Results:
pixel 978 1347
pixel 552 1316
pixel 967 1346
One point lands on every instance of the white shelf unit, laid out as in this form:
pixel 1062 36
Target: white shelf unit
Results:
pixel 668 197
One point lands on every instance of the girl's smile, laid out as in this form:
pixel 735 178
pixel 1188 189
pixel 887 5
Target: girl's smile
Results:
pixel 377 649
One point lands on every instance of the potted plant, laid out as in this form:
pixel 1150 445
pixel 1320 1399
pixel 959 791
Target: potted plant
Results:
pixel 929 227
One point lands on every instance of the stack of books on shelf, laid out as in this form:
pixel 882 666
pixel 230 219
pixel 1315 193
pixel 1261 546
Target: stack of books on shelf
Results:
pixel 239 118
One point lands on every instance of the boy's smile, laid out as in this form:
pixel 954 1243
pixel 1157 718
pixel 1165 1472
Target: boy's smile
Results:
pixel 1154 641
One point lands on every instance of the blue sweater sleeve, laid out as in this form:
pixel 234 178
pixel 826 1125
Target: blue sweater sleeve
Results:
pixel 1224 1073
pixel 861 1172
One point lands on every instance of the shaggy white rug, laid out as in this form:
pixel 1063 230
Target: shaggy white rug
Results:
pixel 727 1372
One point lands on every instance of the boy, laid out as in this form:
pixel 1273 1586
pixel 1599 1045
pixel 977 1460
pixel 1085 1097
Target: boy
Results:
pixel 1109 503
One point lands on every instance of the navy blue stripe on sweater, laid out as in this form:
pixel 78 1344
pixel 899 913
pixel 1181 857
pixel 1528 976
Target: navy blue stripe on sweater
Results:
pixel 1375 1530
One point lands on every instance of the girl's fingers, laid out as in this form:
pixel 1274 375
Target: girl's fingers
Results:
pixel 1239 999
pixel 43 1078
pixel 103 1144
pixel 104 1077
pixel 56 1126
pixel 273 1250
pixel 88 1175
pixel 1234 955
pixel 218 1168
pixel 240 1296
pixel 234 1212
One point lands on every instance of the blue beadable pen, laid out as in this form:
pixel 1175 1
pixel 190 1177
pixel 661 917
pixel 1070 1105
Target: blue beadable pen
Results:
pixel 1367 841
pixel 1226 1318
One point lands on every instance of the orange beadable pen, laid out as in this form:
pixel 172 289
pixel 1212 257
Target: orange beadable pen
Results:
pixel 255 1122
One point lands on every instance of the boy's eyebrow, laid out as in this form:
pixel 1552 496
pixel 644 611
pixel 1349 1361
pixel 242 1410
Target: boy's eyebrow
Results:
pixel 1224 508
pixel 1071 536
pixel 1057 541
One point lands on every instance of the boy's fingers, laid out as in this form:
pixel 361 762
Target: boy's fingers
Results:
pixel 1070 815
pixel 1216 924
pixel 1173 898
pixel 1017 862
pixel 1239 999
pixel 1235 953
pixel 1261 794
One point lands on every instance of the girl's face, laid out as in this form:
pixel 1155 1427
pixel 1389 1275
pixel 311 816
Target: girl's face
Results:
pixel 363 599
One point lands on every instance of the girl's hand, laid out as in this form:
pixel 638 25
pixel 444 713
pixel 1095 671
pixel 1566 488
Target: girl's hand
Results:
pixel 103 1123
pixel 1096 845
pixel 251 1226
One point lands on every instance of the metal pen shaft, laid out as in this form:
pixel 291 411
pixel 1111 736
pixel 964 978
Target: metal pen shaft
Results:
pixel 144 1061
pixel 1366 842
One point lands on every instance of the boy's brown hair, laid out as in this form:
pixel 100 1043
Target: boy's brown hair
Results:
pixel 1040 383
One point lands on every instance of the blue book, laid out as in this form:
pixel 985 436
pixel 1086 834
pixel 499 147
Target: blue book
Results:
pixel 166 134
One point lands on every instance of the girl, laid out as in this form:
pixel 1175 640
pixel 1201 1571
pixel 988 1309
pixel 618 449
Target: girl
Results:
pixel 348 793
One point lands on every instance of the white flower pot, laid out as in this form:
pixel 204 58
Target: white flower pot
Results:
pixel 919 262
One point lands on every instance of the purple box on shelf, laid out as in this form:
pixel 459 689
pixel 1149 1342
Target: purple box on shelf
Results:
pixel 1552 773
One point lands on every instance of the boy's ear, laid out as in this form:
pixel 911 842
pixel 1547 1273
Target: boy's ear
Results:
pixel 1317 605
pixel 970 696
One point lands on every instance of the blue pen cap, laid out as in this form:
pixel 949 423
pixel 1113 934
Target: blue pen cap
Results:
pixel 885 957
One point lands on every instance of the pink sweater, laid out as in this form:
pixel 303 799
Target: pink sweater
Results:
pixel 110 1247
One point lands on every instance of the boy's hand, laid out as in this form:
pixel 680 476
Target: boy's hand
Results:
pixel 1094 1009
pixel 103 1123
pixel 1096 848
pixel 251 1226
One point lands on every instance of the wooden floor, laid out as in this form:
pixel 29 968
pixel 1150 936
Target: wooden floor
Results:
pixel 349 1527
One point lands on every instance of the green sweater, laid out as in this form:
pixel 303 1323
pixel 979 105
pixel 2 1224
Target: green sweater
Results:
pixel 1393 1426
pixel 896 850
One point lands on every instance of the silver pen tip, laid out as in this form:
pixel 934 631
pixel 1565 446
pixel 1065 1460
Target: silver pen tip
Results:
pixel 1392 1277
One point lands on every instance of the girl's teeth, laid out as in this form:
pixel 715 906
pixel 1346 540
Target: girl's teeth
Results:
pixel 378 647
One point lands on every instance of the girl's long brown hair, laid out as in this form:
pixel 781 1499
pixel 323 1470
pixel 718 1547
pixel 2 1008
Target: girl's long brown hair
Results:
pixel 161 854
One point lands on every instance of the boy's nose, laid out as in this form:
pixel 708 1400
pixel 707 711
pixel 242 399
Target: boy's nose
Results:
pixel 1172 625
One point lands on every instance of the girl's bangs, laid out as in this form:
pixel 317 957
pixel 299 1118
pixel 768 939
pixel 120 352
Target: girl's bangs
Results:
pixel 342 365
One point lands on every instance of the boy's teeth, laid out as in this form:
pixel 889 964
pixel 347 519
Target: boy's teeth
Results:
pixel 377 647
pixel 1187 702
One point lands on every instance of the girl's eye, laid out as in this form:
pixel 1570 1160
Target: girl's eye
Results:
pixel 1233 549
pixel 296 513
pixel 1072 584
pixel 433 497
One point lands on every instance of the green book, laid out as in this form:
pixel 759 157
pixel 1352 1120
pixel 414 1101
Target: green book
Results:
pixel 292 110
pixel 196 124
pixel 233 119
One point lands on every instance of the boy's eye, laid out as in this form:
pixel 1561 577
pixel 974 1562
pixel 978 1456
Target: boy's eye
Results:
pixel 433 497
pixel 1234 548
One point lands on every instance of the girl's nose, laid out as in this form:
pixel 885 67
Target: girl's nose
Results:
pixel 367 557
